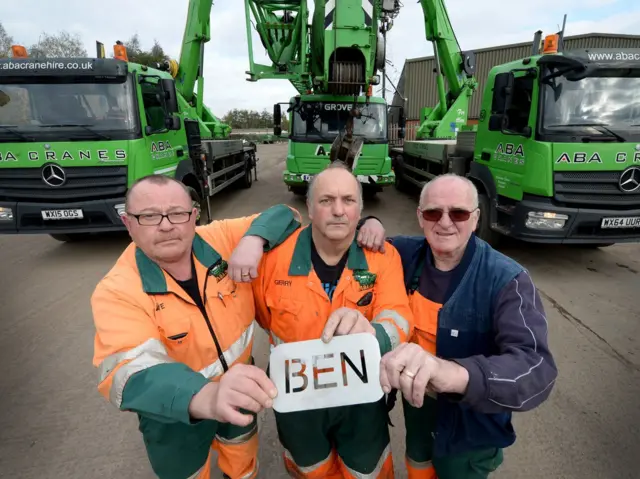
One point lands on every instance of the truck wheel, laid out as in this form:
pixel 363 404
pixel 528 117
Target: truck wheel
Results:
pixel 247 180
pixel 483 230
pixel 299 190
pixel 203 212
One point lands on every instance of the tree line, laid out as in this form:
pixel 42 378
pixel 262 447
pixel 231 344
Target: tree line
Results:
pixel 251 119
pixel 67 45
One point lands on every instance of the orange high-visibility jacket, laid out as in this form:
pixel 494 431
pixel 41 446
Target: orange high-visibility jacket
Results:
pixel 291 304
pixel 155 349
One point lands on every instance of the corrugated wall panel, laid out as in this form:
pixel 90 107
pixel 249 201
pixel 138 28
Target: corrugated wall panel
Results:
pixel 418 76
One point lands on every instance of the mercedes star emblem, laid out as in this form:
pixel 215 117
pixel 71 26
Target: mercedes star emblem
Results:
pixel 53 175
pixel 629 181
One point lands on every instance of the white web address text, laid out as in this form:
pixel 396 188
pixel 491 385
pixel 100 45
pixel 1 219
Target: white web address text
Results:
pixel 47 65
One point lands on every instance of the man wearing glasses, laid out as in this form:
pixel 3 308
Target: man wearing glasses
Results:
pixel 479 350
pixel 175 327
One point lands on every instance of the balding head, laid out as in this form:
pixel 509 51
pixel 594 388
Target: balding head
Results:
pixel 334 202
pixel 461 184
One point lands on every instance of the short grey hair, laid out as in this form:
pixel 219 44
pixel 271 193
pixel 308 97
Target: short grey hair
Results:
pixel 155 179
pixel 336 165
pixel 472 187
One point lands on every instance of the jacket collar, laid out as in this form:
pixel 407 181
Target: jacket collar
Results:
pixel 301 259
pixel 154 279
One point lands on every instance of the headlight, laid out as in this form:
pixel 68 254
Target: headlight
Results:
pixel 6 214
pixel 545 220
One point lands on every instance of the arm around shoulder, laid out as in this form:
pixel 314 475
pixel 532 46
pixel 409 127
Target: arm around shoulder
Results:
pixel 136 373
pixel 273 225
pixel 521 376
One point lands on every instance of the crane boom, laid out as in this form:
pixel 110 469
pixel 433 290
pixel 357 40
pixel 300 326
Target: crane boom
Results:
pixel 452 64
pixel 197 32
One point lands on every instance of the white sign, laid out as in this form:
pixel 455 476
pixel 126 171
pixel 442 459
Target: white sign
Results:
pixel 317 375
pixel 62 214
pixel 628 222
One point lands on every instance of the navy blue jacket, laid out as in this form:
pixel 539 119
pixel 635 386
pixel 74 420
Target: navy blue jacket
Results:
pixel 492 322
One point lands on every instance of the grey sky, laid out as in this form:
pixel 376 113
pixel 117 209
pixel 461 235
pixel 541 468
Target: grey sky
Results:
pixel 477 25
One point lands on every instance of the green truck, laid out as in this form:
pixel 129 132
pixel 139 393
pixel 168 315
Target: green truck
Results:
pixel 333 64
pixel 316 121
pixel 75 133
pixel 556 151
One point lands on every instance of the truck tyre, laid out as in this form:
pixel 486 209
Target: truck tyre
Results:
pixel 400 183
pixel 203 211
pixel 483 230
pixel 247 180
pixel 299 190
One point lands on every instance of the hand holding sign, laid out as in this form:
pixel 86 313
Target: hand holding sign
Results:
pixel 316 375
pixel 345 321
pixel 242 387
pixel 414 371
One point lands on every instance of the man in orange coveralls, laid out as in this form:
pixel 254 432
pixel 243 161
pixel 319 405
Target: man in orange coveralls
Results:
pixel 175 328
pixel 320 283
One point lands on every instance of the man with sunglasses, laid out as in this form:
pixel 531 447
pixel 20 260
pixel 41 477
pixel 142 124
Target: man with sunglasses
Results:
pixel 479 351
pixel 175 327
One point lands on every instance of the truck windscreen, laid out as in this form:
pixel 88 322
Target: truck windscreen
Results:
pixel 323 121
pixel 606 101
pixel 46 111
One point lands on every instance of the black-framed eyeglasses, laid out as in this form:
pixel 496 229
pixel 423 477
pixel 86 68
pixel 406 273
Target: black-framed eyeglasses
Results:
pixel 457 215
pixel 154 219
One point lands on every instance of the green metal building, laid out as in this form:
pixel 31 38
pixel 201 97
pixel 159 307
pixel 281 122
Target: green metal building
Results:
pixel 418 85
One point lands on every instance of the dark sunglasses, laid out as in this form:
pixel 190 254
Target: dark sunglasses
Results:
pixel 457 215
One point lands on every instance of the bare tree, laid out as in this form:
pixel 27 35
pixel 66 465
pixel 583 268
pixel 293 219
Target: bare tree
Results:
pixel 5 42
pixel 61 45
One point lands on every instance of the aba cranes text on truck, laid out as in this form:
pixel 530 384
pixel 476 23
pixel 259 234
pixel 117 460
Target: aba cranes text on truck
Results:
pixel 556 151
pixel 75 133
pixel 333 63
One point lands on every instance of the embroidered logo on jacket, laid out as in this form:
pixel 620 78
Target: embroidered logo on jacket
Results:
pixel 365 279
pixel 219 271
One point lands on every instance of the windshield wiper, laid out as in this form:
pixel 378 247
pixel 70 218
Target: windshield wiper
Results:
pixel 86 127
pixel 16 133
pixel 603 126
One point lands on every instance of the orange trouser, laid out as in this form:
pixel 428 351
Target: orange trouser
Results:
pixel 335 468
pixel 237 453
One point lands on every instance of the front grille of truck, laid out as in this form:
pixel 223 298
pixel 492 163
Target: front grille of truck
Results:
pixel 82 184
pixel 593 188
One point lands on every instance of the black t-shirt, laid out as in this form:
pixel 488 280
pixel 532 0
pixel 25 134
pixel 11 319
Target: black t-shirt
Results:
pixel 191 286
pixel 328 274
pixel 434 284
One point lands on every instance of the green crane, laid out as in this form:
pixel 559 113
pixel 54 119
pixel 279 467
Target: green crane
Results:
pixel 333 64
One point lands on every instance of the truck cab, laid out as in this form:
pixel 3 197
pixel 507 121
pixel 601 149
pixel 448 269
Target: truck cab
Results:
pixel 74 134
pixel 557 150
pixel 315 122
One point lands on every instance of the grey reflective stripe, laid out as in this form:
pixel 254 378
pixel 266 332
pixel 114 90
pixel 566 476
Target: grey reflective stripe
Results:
pixel 376 472
pixel 122 375
pixel 151 345
pixel 276 340
pixel 395 316
pixel 232 354
pixel 308 469
pixel 242 438
pixel 391 331
pixel 418 465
